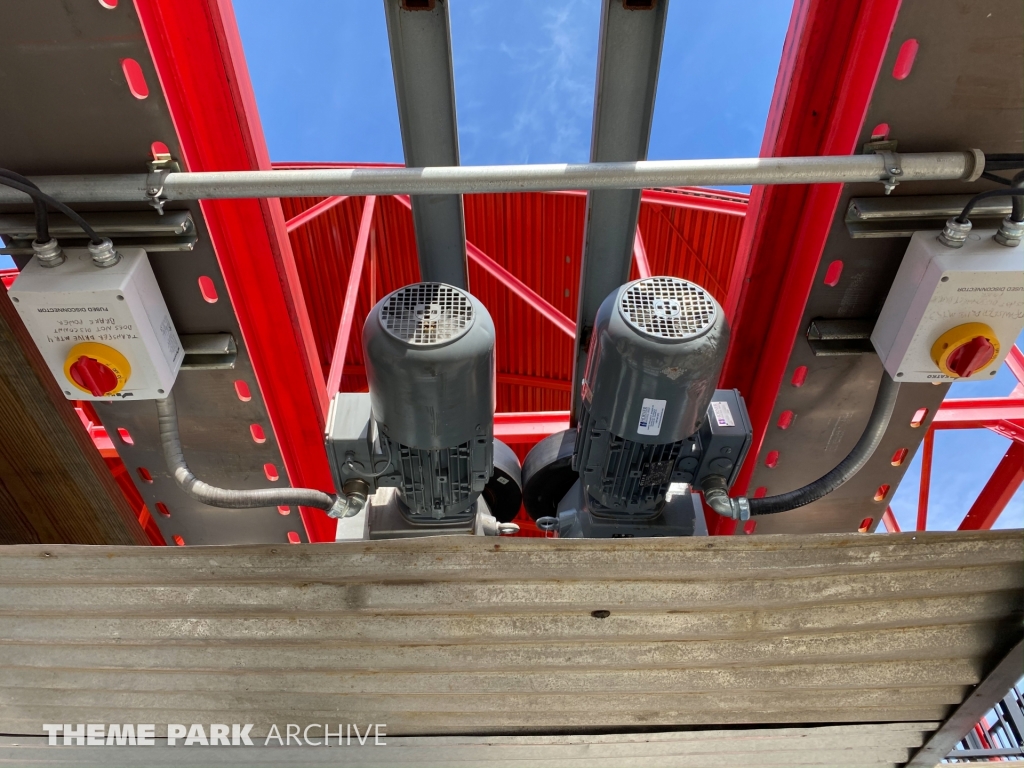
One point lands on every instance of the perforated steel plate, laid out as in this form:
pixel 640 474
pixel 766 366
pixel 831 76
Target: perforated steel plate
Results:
pixel 668 308
pixel 425 314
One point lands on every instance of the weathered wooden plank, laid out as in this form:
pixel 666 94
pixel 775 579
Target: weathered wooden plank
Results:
pixel 54 486
pixel 694 707
pixel 477 598
pixel 571 626
pixel 469 558
pixel 72 673
pixel 874 745
pixel 870 646
pixel 455 636
pixel 27 719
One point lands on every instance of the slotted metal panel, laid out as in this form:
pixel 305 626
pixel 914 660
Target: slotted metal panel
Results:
pixel 431 636
pixel 69 110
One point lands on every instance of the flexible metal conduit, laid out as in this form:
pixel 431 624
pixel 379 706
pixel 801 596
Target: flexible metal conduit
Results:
pixel 325 182
pixel 222 497
pixel 741 508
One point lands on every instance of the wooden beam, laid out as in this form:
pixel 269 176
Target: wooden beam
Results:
pixel 54 485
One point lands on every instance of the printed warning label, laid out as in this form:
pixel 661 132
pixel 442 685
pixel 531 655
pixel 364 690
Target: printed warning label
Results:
pixel 723 414
pixel 652 413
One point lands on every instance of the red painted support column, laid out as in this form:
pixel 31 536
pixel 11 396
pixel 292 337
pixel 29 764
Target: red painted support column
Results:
pixel 830 62
pixel 348 310
pixel 926 479
pixel 201 67
pixel 997 491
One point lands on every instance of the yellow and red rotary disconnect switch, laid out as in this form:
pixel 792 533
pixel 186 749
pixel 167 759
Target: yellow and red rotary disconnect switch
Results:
pixel 103 330
pixel 965 350
pixel 97 369
pixel 952 314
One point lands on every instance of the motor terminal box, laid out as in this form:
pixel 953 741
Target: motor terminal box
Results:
pixel 725 436
pixel 104 332
pixel 952 313
pixel 353 446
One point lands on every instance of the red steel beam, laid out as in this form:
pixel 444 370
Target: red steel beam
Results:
pixel 927 449
pixel 889 520
pixel 1011 429
pixel 521 289
pixel 1015 362
pixel 997 492
pixel 643 267
pixel 201 69
pixel 313 211
pixel 348 310
pixel 830 63
pixel 519 380
pixel 978 412
pixel 529 427
pixel 513 283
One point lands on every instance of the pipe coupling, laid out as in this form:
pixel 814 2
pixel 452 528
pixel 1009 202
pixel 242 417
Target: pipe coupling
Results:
pixel 48 254
pixel 1010 232
pixel 716 495
pixel 351 500
pixel 103 253
pixel 955 233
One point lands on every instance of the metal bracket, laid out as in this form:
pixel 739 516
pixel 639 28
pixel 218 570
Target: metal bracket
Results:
pixel 893 169
pixel 892 165
pixel 158 172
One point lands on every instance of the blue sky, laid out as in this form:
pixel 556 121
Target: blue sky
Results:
pixel 524 78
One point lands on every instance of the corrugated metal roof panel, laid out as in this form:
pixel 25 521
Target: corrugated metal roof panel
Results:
pixel 775 630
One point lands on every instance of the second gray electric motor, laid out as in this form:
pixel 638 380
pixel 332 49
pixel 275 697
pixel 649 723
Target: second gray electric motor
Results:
pixel 655 356
pixel 429 351
pixel 650 418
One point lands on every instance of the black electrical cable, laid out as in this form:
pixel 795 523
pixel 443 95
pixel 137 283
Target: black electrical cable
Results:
pixel 963 217
pixel 1009 161
pixel 32 191
pixel 1017 211
pixel 996 179
pixel 885 401
pixel 42 219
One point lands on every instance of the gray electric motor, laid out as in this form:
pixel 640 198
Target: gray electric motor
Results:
pixel 429 350
pixel 655 355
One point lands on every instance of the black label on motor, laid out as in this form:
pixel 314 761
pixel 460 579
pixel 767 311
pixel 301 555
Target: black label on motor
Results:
pixel 656 473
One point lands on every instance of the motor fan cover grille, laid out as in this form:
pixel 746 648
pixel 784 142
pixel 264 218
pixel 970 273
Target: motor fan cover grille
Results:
pixel 668 308
pixel 426 314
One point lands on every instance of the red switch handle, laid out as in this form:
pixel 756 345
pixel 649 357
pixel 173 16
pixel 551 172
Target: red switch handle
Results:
pixel 970 357
pixel 93 375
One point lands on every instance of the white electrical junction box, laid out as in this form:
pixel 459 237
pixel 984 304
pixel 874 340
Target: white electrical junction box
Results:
pixel 944 298
pixel 104 332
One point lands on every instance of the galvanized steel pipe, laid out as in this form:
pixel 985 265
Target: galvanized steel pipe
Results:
pixel 468 179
